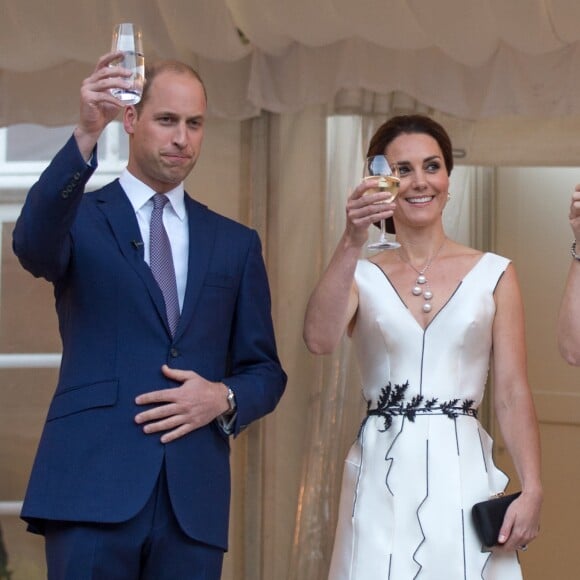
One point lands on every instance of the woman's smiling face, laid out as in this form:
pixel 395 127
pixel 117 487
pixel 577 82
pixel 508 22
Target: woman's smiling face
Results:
pixel 424 187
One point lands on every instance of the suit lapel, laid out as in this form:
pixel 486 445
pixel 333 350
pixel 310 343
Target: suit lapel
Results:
pixel 117 208
pixel 201 241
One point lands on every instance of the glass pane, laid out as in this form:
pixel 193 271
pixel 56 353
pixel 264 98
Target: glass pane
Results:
pixel 27 324
pixel 34 143
pixel 24 551
pixel 27 317
pixel 24 399
pixel 123 142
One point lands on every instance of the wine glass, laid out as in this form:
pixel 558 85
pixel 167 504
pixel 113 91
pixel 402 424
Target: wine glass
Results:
pixel 388 174
pixel 127 38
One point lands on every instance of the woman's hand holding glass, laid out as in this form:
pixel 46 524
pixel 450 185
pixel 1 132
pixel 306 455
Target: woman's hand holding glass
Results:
pixel 575 214
pixel 388 182
pixel 372 201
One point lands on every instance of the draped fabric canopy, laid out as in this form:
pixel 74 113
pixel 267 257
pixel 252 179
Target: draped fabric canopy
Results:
pixel 473 59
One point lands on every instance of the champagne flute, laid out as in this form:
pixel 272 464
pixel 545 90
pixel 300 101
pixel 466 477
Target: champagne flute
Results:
pixel 388 174
pixel 127 38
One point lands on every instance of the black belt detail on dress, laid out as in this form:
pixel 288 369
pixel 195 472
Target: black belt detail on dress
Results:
pixel 391 403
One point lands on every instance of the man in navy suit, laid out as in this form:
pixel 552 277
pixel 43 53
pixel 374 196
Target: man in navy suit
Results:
pixel 131 478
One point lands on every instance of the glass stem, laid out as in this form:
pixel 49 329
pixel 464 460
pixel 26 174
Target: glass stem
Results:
pixel 383 230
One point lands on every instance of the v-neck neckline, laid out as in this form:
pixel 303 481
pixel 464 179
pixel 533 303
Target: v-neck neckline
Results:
pixel 443 306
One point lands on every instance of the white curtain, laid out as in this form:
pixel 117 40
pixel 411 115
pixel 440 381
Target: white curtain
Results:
pixel 471 59
pixel 336 401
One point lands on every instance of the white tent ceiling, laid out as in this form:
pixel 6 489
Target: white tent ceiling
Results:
pixel 473 59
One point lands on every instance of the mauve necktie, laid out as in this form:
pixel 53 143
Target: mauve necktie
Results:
pixel 161 261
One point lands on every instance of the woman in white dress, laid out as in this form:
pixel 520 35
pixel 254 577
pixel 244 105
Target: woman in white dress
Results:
pixel 426 319
pixel 569 318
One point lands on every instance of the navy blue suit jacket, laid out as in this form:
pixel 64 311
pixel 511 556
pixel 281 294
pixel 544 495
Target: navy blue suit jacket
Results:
pixel 94 463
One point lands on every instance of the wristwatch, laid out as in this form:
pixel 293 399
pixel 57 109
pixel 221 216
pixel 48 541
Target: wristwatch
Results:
pixel 231 402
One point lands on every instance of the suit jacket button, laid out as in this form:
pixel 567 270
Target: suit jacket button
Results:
pixel 174 352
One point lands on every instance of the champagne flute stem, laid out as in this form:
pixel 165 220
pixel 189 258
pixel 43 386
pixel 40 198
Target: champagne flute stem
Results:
pixel 383 230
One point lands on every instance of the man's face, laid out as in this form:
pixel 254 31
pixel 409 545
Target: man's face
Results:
pixel 165 138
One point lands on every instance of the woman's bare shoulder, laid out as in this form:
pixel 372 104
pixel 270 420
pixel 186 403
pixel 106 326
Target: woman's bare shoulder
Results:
pixel 456 249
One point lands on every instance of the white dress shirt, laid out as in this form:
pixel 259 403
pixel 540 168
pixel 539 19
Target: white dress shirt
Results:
pixel 174 220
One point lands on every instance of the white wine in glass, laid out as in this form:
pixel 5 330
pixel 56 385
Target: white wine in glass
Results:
pixel 377 166
pixel 127 38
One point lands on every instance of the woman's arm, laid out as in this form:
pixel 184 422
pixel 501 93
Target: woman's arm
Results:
pixel 515 412
pixel 334 301
pixel 333 304
pixel 569 318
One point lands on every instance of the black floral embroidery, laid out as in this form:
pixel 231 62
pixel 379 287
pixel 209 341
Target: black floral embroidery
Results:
pixel 391 402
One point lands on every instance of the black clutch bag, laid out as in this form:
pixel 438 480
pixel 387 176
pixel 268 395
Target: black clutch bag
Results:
pixel 488 517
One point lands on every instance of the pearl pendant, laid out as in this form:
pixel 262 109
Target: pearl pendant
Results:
pixel 421 282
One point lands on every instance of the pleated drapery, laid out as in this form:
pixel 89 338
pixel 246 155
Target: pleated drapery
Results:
pixel 474 59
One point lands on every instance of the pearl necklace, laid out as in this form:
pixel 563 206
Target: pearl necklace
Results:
pixel 422 287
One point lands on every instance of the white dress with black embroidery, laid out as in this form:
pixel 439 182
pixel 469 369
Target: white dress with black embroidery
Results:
pixel 421 459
